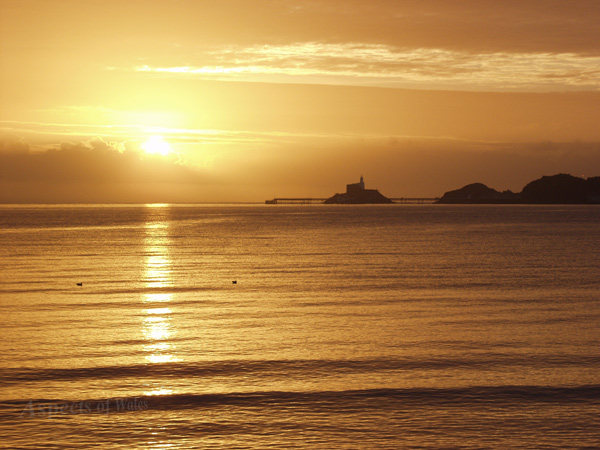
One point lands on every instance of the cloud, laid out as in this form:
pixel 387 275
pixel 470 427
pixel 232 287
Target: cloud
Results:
pixel 92 171
pixel 382 65
pixel 13 144
pixel 481 26
pixel 438 44
pixel 43 135
pixel 472 44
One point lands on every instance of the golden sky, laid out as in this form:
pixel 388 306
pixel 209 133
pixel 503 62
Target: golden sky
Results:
pixel 260 98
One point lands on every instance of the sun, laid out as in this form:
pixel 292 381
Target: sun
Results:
pixel 155 145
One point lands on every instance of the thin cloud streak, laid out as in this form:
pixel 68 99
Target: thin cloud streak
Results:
pixel 35 132
pixel 365 64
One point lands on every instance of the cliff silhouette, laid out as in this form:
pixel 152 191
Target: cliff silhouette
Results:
pixel 556 189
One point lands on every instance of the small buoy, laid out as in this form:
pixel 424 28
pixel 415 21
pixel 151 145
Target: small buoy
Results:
pixel 234 282
pixel 79 284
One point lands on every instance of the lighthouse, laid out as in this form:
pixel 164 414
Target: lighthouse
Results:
pixel 356 187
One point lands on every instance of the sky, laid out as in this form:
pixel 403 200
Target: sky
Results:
pixel 238 100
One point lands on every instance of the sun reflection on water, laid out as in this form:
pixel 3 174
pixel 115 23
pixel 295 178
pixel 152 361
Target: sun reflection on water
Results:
pixel 157 325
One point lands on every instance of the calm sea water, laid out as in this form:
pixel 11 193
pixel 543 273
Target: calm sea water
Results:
pixel 398 326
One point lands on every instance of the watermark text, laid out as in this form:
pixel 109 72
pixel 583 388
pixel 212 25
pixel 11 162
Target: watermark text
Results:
pixel 84 407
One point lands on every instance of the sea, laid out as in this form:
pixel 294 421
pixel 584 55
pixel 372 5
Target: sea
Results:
pixel 299 326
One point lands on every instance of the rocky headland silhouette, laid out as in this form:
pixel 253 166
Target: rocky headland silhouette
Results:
pixel 555 189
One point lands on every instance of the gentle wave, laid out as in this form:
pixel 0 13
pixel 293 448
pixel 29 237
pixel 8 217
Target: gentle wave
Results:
pixel 338 400
pixel 314 368
pixel 164 290
pixel 140 290
pixel 30 291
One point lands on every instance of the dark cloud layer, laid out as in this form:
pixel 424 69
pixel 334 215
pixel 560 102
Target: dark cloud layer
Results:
pixel 90 172
pixel 144 30
pixel 94 172
pixel 477 25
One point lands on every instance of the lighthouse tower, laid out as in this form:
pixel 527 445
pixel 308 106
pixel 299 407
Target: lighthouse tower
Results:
pixel 356 187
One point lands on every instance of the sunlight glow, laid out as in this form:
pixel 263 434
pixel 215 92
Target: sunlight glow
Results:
pixel 157 326
pixel 155 145
pixel 162 391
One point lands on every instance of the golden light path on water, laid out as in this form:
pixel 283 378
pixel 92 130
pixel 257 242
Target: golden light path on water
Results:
pixel 157 325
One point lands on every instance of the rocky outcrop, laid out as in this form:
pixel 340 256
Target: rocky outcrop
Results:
pixel 478 193
pixel 562 189
pixel 556 189
pixel 365 196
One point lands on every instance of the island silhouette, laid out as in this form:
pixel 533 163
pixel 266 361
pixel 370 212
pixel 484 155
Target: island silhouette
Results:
pixel 556 189
pixel 356 194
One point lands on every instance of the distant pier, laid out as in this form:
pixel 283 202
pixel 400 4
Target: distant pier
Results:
pixel 415 199
pixel 312 201
pixel 295 201
pixel 356 194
